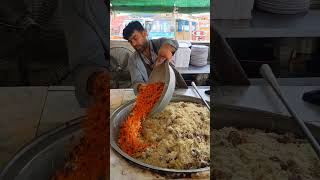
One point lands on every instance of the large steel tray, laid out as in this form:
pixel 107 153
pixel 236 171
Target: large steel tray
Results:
pixel 120 114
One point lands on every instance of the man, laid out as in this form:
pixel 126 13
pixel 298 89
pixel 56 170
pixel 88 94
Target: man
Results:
pixel 86 31
pixel 149 54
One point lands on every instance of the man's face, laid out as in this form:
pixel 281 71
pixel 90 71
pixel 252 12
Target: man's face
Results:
pixel 138 40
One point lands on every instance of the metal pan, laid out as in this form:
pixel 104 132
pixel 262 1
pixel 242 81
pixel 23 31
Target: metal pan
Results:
pixel 163 73
pixel 120 114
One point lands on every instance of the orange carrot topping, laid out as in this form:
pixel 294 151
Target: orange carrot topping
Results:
pixel 130 140
pixel 89 160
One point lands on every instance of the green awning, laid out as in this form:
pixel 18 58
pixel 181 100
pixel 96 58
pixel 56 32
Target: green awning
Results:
pixel 184 6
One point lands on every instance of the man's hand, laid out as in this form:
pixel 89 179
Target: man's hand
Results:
pixel 165 53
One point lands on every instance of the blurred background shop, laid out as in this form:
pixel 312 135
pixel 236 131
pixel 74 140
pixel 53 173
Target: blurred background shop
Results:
pixel 188 22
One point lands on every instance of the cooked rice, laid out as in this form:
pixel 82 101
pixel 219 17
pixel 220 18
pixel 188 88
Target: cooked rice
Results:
pixel 255 154
pixel 182 135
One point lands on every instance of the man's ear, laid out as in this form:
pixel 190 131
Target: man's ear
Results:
pixel 145 33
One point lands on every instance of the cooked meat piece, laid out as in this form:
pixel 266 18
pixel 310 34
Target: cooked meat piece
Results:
pixel 235 138
pixel 195 153
pixel 293 166
pixel 275 159
pixel 287 138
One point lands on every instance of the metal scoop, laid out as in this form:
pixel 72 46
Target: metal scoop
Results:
pixel 163 73
pixel 197 90
pixel 268 75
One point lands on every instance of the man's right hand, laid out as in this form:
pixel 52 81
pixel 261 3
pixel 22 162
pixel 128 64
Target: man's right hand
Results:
pixel 165 53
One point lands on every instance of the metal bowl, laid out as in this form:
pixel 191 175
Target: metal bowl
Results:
pixel 163 73
pixel 120 114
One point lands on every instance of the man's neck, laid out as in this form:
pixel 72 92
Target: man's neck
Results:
pixel 147 52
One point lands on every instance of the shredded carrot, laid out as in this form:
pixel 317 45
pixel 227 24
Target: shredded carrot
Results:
pixel 89 160
pixel 130 131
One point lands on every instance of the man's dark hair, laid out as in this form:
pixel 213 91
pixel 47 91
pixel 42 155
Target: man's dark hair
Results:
pixel 130 28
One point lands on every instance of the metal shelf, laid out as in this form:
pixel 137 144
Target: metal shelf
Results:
pixel 268 25
pixel 194 70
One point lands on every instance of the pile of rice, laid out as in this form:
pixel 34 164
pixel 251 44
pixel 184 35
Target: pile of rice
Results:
pixel 255 154
pixel 181 133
